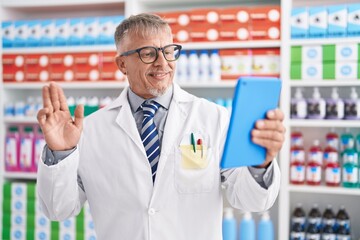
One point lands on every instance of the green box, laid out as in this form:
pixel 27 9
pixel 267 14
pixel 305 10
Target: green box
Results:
pixel 296 54
pixel 329 71
pixel 6 233
pixel 329 52
pixel 7 190
pixel 295 71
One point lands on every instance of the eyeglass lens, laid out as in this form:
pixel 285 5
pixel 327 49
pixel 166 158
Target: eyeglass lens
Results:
pixel 149 54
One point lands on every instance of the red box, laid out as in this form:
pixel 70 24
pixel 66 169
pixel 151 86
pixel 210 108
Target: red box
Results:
pixel 201 16
pixel 234 32
pixel 178 18
pixel 109 70
pixel 233 15
pixel 181 34
pixel 62 67
pixel 87 66
pixel 204 32
pixel 13 67
pixel 264 32
pixel 265 15
pixel 37 67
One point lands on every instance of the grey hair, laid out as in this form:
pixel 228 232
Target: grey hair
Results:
pixel 143 25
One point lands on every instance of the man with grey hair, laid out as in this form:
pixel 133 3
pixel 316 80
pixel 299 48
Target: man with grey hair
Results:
pixel 148 163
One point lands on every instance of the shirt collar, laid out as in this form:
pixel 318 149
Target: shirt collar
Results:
pixel 164 100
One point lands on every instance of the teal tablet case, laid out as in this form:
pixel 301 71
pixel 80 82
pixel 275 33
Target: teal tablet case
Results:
pixel 253 97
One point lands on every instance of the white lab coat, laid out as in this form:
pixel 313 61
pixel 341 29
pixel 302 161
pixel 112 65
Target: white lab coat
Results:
pixel 183 204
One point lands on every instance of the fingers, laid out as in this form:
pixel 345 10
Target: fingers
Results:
pixel 275 114
pixel 46 98
pixel 272 147
pixel 268 134
pixel 54 96
pixel 41 116
pixel 79 116
pixel 62 100
pixel 270 125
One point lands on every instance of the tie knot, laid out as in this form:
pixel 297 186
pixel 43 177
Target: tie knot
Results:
pixel 150 108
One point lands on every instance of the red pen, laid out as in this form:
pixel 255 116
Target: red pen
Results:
pixel 199 142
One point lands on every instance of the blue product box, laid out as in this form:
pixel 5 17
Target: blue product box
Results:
pixel 47 32
pixel 318 22
pixel 107 27
pixel 21 33
pixel 8 33
pixel 353 20
pixel 337 21
pixel 91 34
pixel 299 23
pixel 76 31
pixel 34 36
pixel 61 32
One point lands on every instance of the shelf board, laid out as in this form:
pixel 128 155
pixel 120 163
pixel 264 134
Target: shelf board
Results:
pixel 324 123
pixel 323 41
pixel 55 3
pixel 234 44
pixel 161 3
pixel 324 190
pixel 17 120
pixel 324 83
pixel 61 49
pixel 20 175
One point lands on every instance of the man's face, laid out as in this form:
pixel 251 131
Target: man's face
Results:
pixel 147 80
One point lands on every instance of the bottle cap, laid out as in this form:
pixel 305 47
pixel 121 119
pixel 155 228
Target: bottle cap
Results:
pixel 316 94
pixel 353 94
pixel 247 216
pixel 265 216
pixel 228 213
pixel 334 93
pixel 316 143
pixel 298 93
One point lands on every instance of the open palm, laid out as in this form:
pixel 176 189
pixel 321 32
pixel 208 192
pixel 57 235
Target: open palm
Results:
pixel 60 131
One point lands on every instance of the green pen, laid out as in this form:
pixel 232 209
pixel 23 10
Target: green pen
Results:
pixel 193 142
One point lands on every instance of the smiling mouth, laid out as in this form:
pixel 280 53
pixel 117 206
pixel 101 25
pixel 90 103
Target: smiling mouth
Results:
pixel 158 75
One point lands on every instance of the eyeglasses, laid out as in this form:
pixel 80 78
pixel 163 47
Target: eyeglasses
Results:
pixel 150 54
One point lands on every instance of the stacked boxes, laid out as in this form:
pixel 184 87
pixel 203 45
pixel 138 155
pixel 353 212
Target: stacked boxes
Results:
pixel 23 218
pixel 328 62
pixel 326 22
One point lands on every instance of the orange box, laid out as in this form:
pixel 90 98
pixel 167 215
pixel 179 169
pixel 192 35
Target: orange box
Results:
pixel 62 67
pixel 201 16
pixel 266 62
pixel 234 32
pixel 235 15
pixel 181 34
pixel 204 32
pixel 13 67
pixel 265 15
pixel 178 18
pixel 86 66
pixel 235 63
pixel 264 32
pixel 109 70
pixel 37 67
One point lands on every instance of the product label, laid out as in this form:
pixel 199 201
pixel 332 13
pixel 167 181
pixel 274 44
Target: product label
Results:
pixel 297 155
pixel 297 174
pixel 331 157
pixel 39 145
pixel 350 174
pixel 315 157
pixel 10 149
pixel 313 174
pixel 296 141
pixel 350 157
pixel 25 153
pixel 352 109
pixel 297 236
pixel 313 236
pixel 333 142
pixel 332 175
pixel 328 236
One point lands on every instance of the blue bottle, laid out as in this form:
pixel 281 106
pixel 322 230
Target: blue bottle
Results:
pixel 265 227
pixel 247 227
pixel 229 225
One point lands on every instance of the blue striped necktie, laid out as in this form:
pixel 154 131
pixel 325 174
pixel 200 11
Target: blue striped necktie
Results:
pixel 150 136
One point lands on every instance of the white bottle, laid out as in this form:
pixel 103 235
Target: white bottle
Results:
pixel 215 66
pixel 182 68
pixel 316 105
pixel 193 66
pixel 204 66
pixel 334 106
pixel 352 106
pixel 298 105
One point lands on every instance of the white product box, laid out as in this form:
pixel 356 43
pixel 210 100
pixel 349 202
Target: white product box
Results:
pixel 62 30
pixel 47 32
pixel 21 33
pixel 34 33
pixel 311 71
pixel 76 31
pixel 43 234
pixel 299 23
pixel 41 221
pixel 312 54
pixel 19 191
pixel 18 219
pixel 353 20
pixel 18 233
pixel 91 33
pixel 318 25
pixel 18 206
pixel 8 34
pixel 346 70
pixel 337 21
pixel 68 226
pixel 346 52
pixel 107 27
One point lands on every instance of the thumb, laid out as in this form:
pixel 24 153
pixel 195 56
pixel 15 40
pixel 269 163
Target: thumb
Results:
pixel 79 116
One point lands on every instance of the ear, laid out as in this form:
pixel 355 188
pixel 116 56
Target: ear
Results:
pixel 120 62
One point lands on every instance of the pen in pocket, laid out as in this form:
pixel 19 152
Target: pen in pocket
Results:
pixel 193 142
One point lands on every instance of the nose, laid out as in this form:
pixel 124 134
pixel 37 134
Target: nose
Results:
pixel 160 61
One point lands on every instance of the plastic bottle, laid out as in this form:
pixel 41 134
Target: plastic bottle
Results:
pixel 346 140
pixel 182 68
pixel 334 106
pixel 71 105
pixel 342 220
pixel 297 232
pixel 332 139
pixel 328 233
pixel 350 175
pixel 247 227
pixel 298 105
pixel 229 225
pixel 314 165
pixel 299 216
pixel 215 66
pixel 92 105
pixel 38 148
pixel 204 66
pixel 265 228
pixel 343 234
pixel 297 138
pixel 357 145
pixel 314 217
pixel 297 159
pixel 352 106
pixel 312 232
pixel 27 149
pixel 316 105
pixel 12 148
pixel 332 174
pixel 194 66
pixel 104 102
pixel 328 217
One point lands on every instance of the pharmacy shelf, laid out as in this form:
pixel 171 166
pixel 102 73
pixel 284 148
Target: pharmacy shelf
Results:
pixel 324 190
pixel 177 3
pixel 324 83
pixel 54 3
pixel 20 175
pixel 20 120
pixel 324 123
pixel 323 41
pixel 234 44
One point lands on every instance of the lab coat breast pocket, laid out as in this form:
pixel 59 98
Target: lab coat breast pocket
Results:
pixel 195 172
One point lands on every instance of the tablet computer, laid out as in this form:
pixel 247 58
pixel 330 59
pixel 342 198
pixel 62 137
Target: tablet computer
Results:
pixel 253 97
